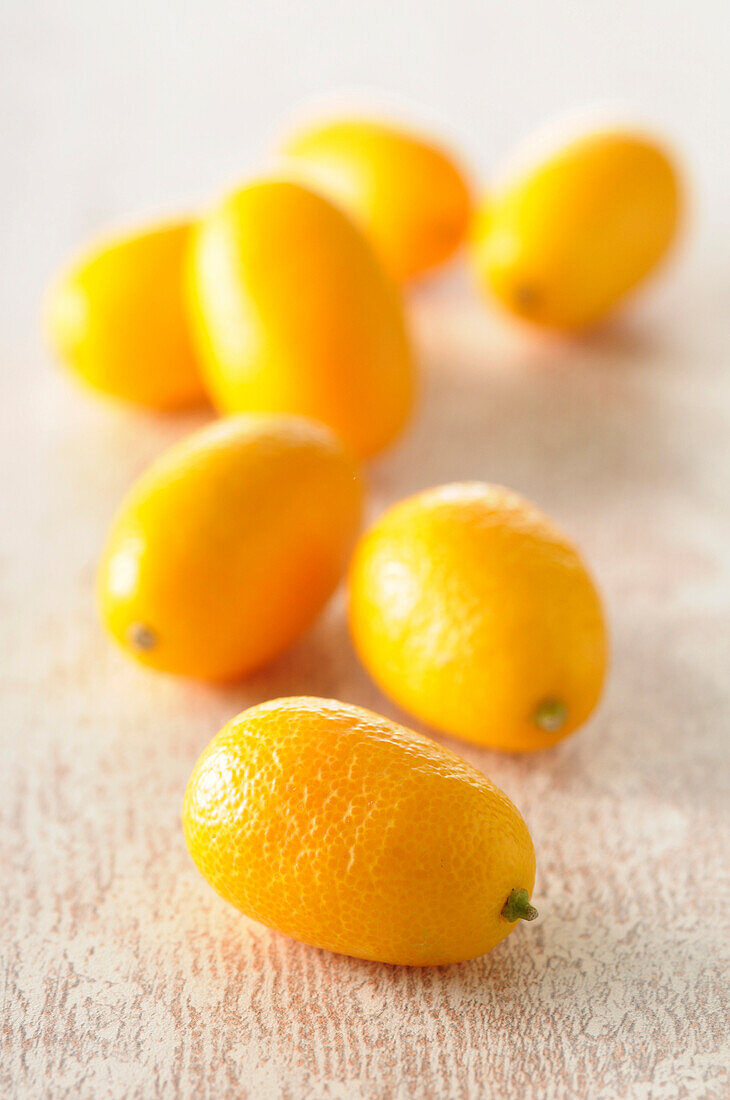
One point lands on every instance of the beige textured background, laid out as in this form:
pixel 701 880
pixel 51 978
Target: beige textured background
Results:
pixel 122 974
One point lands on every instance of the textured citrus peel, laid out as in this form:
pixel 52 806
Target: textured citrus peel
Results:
pixel 517 907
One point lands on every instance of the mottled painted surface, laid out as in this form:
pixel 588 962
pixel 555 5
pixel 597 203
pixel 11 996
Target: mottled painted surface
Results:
pixel 125 976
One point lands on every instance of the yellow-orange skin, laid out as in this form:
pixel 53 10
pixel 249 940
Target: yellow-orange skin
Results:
pixel 408 195
pixel 293 313
pixel 474 612
pixel 567 243
pixel 349 832
pixel 118 319
pixel 229 546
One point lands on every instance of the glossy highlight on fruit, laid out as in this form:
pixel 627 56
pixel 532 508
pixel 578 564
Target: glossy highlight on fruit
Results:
pixel 347 831
pixel 569 240
pixel 118 319
pixel 477 615
pixel 293 313
pixel 228 547
pixel 408 195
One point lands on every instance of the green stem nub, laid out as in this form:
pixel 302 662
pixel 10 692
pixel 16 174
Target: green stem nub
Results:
pixel 526 297
pixel 517 907
pixel 141 637
pixel 550 715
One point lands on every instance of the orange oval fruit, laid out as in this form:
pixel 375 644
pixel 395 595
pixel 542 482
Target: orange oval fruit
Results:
pixel 408 195
pixel 346 831
pixel 293 313
pixel 477 615
pixel 567 242
pixel 228 547
pixel 118 319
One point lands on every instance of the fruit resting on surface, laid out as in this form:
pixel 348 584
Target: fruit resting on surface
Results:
pixel 118 319
pixel 406 193
pixel 347 831
pixel 476 614
pixel 228 547
pixel 570 239
pixel 294 313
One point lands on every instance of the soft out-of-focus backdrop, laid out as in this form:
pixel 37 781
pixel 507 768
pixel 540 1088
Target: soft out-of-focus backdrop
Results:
pixel 110 113
pixel 122 974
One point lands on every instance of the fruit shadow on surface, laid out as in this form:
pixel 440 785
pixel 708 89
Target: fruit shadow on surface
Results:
pixel 581 427
pixel 571 424
pixel 633 788
pixel 589 431
pixel 633 784
pixel 567 422
pixel 578 427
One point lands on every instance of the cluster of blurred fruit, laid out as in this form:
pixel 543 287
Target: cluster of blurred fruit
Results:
pixel 282 297
pixel 469 608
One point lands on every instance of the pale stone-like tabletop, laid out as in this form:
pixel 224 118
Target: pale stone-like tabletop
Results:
pixel 124 975
pixel 121 974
